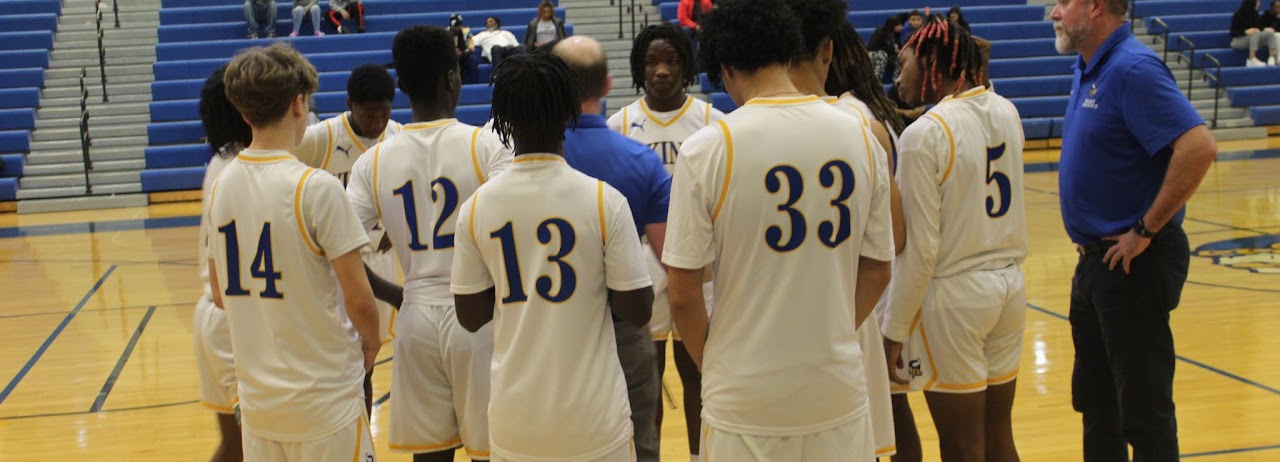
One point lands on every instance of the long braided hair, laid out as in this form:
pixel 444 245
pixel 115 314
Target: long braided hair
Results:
pixel 853 72
pixel 949 52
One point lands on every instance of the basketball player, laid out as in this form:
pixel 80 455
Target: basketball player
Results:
pixel 561 250
pixel 333 145
pixel 820 21
pixel 852 76
pixel 663 65
pixel 227 134
pixel 299 357
pixel 961 178
pixel 413 184
pixel 795 272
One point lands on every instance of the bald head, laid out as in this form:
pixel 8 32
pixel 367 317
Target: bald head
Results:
pixel 587 59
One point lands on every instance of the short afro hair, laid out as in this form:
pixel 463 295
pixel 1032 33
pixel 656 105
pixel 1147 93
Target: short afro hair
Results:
pixel 424 56
pixel 748 35
pixel 371 83
pixel 223 124
pixel 819 21
pixel 675 37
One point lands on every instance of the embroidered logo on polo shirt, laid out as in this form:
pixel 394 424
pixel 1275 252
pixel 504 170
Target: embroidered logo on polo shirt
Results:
pixel 1257 254
pixel 1091 102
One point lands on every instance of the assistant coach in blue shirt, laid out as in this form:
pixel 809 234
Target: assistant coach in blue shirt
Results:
pixel 635 171
pixel 1133 152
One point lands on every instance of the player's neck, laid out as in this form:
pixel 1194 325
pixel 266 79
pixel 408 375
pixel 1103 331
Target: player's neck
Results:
pixel 278 137
pixel 430 112
pixel 355 126
pixel 952 88
pixel 806 80
pixel 534 148
pixel 667 104
pixel 766 82
pixel 592 107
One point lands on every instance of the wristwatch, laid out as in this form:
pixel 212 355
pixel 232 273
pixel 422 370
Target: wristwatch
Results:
pixel 1141 229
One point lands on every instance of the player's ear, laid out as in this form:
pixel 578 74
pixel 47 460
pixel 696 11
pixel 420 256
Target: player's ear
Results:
pixel 299 105
pixel 825 52
pixel 350 107
pixel 608 84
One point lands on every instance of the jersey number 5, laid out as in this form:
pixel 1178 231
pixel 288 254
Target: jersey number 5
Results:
pixel 263 264
pixel 511 262
pixel 1002 183
pixel 831 234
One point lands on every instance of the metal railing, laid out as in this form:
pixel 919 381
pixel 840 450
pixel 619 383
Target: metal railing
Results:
pixel 85 140
pixel 115 10
pixel 1217 85
pixel 1191 68
pixel 1163 37
pixel 102 53
pixel 631 10
pixel 620 8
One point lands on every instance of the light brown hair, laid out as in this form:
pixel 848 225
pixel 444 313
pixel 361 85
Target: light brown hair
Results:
pixel 263 82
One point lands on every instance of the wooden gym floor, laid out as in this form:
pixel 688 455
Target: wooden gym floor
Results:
pixel 96 308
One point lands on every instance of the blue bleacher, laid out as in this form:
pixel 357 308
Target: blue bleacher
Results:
pixel 24 7
pixel 15 141
pixel 214 12
pixel 1154 8
pixel 517 18
pixel 18 119
pixel 1265 115
pixel 24 59
pixel 14 164
pixel 26 40
pixel 28 22
pixel 21 78
pixel 19 98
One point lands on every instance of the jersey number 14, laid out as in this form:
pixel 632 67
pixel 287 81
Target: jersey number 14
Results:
pixel 263 264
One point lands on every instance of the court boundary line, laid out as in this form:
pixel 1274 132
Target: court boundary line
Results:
pixel 124 359
pixel 104 411
pixel 4 394
pixel 1184 359
pixel 33 314
pixel 1231 451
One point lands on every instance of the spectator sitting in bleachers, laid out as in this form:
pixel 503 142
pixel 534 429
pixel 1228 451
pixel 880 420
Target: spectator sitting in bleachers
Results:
pixel 341 11
pixel 545 28
pixel 1271 17
pixel 495 43
pixel 690 13
pixel 260 14
pixel 302 8
pixel 468 62
pixel 1247 31
pixel 957 16
pixel 912 22
pixel 884 46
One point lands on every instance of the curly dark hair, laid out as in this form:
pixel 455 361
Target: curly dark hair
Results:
pixel 424 56
pixel 748 35
pixel 945 50
pixel 675 37
pixel 535 97
pixel 223 124
pixel 819 20
pixel 371 83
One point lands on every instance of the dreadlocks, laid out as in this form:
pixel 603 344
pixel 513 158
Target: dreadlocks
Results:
pixel 852 71
pixel 675 37
pixel 223 124
pixel 535 96
pixel 946 51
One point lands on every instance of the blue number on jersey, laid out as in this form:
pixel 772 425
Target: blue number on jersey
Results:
pixel 263 266
pixel 831 234
pixel 1002 184
pixel 795 189
pixel 511 262
pixel 450 197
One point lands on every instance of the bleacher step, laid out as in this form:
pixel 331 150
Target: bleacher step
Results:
pixel 96 178
pixel 74 82
pixel 91 52
pixel 93 71
pixel 96 154
pixel 109 18
pixel 73 191
pixel 78 63
pixel 115 97
pixel 95 91
pixel 121 141
pixel 67 204
pixel 595 14
pixel 108 35
pixel 1239 133
pixel 111 108
pixel 69 133
pixel 99 121
pixel 110 43
pixel 91 26
pixel 604 29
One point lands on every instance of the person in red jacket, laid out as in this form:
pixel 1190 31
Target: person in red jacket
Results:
pixel 690 14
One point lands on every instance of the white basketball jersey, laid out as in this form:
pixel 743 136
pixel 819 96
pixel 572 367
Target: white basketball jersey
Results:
pixel 414 183
pixel 664 132
pixel 783 196
pixel 960 174
pixel 333 146
pixel 551 241
pixel 273 226
pixel 211 172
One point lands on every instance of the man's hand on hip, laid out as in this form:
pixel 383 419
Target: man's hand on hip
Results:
pixel 1128 246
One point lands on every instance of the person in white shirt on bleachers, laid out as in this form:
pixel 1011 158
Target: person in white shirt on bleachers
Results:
pixel 495 43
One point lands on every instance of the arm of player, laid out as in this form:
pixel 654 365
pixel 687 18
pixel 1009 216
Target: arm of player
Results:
pixel 895 196
pixel 357 297
pixel 331 222
pixel 625 271
pixel 689 309
pixel 657 234
pixel 691 248
pixel 213 283
pixel 873 278
pixel 474 293
pixel 383 289
pixel 919 178
pixel 360 190
pixel 314 141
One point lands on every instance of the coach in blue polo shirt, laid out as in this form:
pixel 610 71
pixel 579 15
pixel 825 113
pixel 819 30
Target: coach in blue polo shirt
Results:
pixel 1133 152
pixel 635 171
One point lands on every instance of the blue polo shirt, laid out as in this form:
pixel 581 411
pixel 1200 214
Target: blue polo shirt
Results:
pixel 1125 111
pixel 630 167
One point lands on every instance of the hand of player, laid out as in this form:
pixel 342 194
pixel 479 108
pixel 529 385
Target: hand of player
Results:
pixel 370 349
pixel 893 357
pixel 385 244
pixel 345 15
pixel 1128 246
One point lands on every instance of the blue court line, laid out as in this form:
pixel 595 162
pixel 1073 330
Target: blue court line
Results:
pixel 1230 451
pixel 124 358
pixel 1224 286
pixel 114 308
pixel 100 226
pixel 381 400
pixel 123 409
pixel 1183 359
pixel 53 336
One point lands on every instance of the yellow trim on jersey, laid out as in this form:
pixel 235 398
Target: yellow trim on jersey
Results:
pixel 475 197
pixel 218 409
pixel 885 451
pixel 871 160
pixel 706 437
pixel 972 92
pixel 297 213
pixel 706 115
pixel 474 454
pixel 728 171
pixel 352 133
pixel 962 387
pixel 781 101
pixel 604 231
pixel 328 147
pixel 537 158
pixel 928 353
pixel 688 103
pixel 261 160
pixel 359 425
pixel 426 447
pixel 475 161
pixel 624 121
pixel 951 141
pixel 428 125
pixel 377 203
pixel 1003 379
pixel 391 328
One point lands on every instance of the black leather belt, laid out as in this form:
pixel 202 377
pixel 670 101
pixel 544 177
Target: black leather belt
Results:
pixel 1095 248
